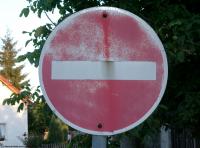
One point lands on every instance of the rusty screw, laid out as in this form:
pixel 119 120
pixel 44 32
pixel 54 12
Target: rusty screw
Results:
pixel 99 125
pixel 104 15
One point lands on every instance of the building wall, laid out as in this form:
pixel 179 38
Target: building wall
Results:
pixel 16 123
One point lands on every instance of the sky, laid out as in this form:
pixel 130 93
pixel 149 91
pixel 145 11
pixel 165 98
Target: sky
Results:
pixel 10 20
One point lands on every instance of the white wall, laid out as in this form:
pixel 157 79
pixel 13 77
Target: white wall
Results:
pixel 16 123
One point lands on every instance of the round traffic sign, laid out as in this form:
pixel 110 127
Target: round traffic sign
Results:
pixel 103 70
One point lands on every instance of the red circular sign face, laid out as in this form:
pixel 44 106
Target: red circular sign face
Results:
pixel 103 70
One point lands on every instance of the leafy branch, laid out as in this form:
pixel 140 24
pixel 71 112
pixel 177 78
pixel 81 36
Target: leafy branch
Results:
pixel 25 97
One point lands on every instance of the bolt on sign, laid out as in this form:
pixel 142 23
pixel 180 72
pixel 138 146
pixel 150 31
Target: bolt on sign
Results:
pixel 103 70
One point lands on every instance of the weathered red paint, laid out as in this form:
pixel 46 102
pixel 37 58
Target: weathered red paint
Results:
pixel 105 24
pixel 115 104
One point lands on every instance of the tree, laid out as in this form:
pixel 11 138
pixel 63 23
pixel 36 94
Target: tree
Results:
pixel 8 61
pixel 11 70
pixel 39 115
pixel 56 131
pixel 177 24
pixel 41 120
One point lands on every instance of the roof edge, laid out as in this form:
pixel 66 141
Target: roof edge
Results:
pixel 9 85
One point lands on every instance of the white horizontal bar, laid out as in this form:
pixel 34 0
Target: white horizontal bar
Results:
pixel 98 70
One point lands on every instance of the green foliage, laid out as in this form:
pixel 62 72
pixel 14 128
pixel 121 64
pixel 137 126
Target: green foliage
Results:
pixel 39 115
pixel 83 141
pixel 8 61
pixel 33 141
pixel 56 133
pixel 114 141
pixel 38 37
pixel 25 12
pixel 24 97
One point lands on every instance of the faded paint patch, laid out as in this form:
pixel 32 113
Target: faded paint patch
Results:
pixel 78 42
pixel 89 86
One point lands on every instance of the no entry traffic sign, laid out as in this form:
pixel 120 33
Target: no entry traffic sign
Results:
pixel 103 70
